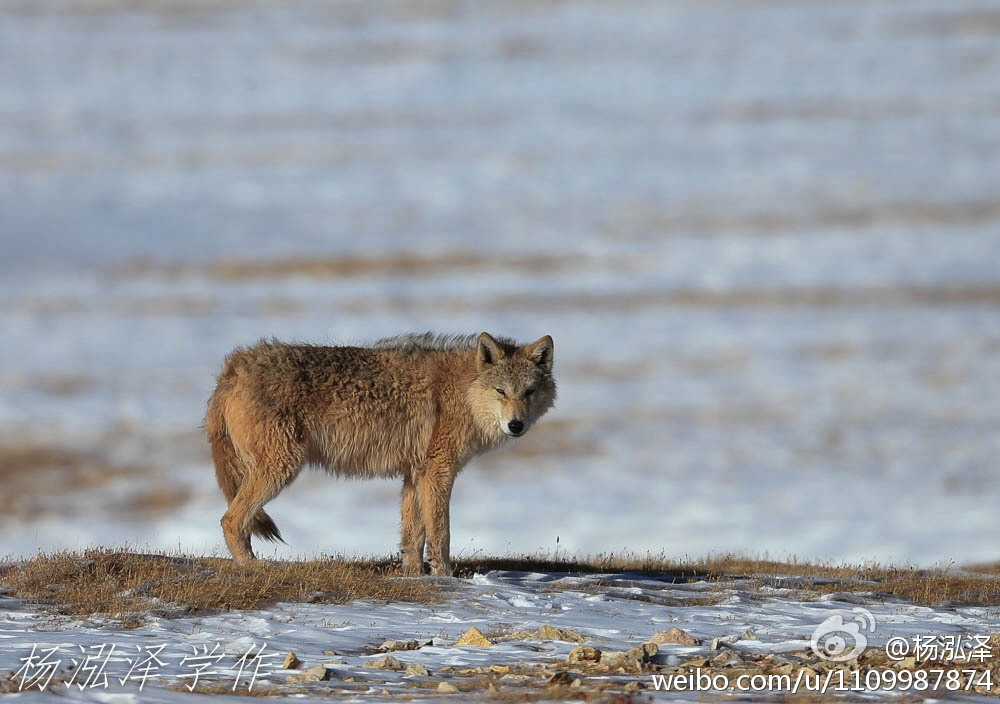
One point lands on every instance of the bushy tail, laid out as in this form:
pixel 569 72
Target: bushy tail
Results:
pixel 229 471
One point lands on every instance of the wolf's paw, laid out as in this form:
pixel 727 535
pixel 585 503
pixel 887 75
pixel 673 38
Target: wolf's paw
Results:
pixel 413 568
pixel 441 569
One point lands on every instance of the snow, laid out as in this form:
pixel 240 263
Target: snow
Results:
pixel 609 616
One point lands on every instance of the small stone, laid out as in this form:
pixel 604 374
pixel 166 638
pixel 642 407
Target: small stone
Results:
pixel 515 679
pixel 319 673
pixel 390 646
pixel 584 654
pixel 675 636
pixel 564 634
pixel 627 661
pixel 724 658
pixel 447 688
pixel 387 663
pixel 577 683
pixel 499 669
pixel 724 642
pixel 749 634
pixel 633 687
pixel 474 638
pixel 561 678
pixel 645 652
pixel 291 661
pixel 416 670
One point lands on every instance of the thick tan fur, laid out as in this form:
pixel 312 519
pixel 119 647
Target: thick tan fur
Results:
pixel 416 406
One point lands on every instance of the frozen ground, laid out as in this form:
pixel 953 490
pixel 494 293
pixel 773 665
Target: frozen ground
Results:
pixel 765 237
pixel 610 612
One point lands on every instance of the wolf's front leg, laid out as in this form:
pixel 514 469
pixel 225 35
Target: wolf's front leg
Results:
pixel 434 489
pixel 411 542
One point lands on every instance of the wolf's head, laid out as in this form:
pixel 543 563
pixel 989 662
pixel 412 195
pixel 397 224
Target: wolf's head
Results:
pixel 514 385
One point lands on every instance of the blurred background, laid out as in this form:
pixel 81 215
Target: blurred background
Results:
pixel 764 235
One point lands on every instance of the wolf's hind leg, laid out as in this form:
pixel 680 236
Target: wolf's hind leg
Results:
pixel 411 529
pixel 260 486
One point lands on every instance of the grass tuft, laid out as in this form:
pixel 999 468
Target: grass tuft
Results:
pixel 977 586
pixel 121 584
pixel 126 585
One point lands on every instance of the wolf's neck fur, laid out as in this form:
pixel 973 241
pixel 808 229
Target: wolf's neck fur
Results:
pixel 417 342
pixel 454 357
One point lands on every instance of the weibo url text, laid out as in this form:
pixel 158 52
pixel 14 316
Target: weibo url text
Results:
pixel 943 679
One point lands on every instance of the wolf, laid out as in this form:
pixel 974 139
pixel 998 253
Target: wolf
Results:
pixel 416 406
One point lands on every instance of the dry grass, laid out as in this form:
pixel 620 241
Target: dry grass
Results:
pixel 649 220
pixel 965 23
pixel 42 479
pixel 403 264
pixel 929 587
pixel 55 384
pixel 124 585
pixel 160 500
pixel 36 474
pixel 818 297
pixel 120 583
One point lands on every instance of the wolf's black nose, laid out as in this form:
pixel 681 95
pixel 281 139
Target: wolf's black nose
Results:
pixel 516 427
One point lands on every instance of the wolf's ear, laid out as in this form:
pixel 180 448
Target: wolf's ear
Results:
pixel 488 352
pixel 541 352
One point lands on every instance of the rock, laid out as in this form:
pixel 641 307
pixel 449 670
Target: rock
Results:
pixel 387 663
pixel 577 683
pixel 584 654
pixel 627 661
pixel 561 678
pixel 515 679
pixel 874 656
pixel 474 638
pixel 564 634
pixel 749 634
pixel 291 661
pixel 319 673
pixel 645 652
pixel 416 670
pixel 722 642
pixel 726 657
pixel 447 688
pixel 695 662
pixel 674 636
pixel 633 686
pixel 390 646
pixel 499 669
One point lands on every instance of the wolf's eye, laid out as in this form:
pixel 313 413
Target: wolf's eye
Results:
pixel 528 392
pixel 500 391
